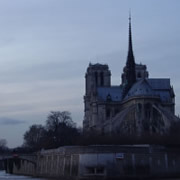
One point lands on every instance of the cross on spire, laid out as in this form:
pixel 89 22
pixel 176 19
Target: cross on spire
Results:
pixel 130 49
pixel 130 15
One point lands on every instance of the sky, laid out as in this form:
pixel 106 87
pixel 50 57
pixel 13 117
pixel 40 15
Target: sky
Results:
pixel 46 46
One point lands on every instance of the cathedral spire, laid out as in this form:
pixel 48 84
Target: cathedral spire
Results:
pixel 130 58
pixel 130 75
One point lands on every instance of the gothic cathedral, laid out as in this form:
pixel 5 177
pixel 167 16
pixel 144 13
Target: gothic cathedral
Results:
pixel 138 105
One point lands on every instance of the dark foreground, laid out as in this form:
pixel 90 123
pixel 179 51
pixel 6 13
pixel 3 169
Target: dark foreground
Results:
pixel 4 176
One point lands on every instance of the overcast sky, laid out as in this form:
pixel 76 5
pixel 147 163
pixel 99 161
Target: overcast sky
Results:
pixel 46 46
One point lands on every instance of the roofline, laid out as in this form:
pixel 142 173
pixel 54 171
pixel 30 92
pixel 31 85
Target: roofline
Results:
pixel 140 97
pixel 129 99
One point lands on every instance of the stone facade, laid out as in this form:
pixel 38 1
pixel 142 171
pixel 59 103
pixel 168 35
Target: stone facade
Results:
pixel 107 162
pixel 138 105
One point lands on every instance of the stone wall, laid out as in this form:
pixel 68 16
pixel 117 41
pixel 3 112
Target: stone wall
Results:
pixel 1 165
pixel 105 161
pixel 24 168
pixel 19 166
pixel 109 161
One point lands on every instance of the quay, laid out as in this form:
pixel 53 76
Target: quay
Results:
pixel 100 161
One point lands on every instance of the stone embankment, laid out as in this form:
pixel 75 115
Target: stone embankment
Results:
pixel 81 162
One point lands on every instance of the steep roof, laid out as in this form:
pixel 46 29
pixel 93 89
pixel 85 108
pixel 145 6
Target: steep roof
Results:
pixel 113 92
pixel 164 95
pixel 145 87
pixel 151 87
pixel 140 88
pixel 160 84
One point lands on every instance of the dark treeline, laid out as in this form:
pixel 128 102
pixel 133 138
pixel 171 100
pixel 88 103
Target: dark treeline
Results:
pixel 60 130
pixel 3 146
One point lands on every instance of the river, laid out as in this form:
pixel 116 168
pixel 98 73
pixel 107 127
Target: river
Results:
pixel 4 176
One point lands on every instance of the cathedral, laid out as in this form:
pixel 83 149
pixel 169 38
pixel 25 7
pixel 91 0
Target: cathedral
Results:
pixel 136 106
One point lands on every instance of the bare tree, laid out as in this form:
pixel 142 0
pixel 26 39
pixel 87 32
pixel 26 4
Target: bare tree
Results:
pixel 34 137
pixel 61 129
pixel 3 143
pixel 56 118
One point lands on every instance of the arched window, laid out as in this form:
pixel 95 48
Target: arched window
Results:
pixel 139 106
pixel 108 113
pixel 108 97
pixel 96 78
pixel 139 75
pixel 148 110
pixel 102 78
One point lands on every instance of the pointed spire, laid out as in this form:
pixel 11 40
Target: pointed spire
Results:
pixel 130 74
pixel 130 48
pixel 130 36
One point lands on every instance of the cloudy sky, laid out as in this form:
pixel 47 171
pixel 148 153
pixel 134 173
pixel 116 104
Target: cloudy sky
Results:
pixel 46 46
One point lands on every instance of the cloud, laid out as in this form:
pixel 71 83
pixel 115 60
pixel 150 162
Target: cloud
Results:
pixel 8 121
pixel 42 71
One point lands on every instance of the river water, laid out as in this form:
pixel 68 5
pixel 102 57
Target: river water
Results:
pixel 4 176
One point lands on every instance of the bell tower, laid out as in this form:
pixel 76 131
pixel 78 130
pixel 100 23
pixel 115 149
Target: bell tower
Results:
pixel 97 75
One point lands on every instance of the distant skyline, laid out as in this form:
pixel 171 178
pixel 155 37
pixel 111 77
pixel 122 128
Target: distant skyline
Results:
pixel 46 46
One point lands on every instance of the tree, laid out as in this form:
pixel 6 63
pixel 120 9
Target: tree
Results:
pixel 55 118
pixel 61 129
pixel 34 138
pixel 3 144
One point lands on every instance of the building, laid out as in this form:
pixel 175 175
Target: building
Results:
pixel 138 105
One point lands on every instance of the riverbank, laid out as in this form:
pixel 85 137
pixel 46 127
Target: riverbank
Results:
pixel 101 162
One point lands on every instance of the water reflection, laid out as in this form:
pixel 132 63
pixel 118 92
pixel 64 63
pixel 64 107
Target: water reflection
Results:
pixel 4 176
